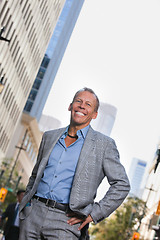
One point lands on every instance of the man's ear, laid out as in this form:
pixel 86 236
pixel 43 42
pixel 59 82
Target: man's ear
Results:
pixel 95 115
pixel 70 106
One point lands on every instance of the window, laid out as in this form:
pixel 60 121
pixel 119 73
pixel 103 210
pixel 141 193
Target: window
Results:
pixel 26 141
pixel 37 83
pixel 33 94
pixel 41 73
pixel 33 156
pixel 3 8
pixel 5 17
pixel 28 106
pixel 45 62
pixel 29 146
pixel 31 151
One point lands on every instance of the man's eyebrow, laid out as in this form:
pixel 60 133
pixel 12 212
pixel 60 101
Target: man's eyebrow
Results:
pixel 78 98
pixel 82 99
pixel 87 101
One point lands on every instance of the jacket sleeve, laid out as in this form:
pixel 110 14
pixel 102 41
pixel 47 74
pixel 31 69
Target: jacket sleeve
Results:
pixel 119 184
pixel 6 213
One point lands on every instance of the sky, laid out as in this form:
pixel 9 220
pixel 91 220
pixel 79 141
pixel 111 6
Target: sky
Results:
pixel 115 50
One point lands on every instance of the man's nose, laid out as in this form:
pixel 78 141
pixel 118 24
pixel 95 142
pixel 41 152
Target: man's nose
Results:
pixel 82 105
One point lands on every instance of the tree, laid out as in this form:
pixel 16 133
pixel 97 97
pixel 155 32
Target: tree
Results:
pixel 122 223
pixel 10 183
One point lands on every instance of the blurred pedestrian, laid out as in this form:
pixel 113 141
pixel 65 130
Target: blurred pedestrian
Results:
pixel 11 227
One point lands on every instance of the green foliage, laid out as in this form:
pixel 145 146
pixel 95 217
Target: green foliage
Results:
pixel 122 223
pixel 6 182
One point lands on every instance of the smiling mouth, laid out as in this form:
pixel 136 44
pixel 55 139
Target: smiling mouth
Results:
pixel 79 113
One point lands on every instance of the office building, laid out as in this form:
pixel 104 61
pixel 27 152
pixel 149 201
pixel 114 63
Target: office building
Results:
pixel 151 196
pixel 105 119
pixel 28 25
pixel 52 59
pixel 28 131
pixel 104 123
pixel 136 172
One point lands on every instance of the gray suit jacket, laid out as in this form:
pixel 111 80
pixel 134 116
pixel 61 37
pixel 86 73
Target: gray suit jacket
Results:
pixel 99 158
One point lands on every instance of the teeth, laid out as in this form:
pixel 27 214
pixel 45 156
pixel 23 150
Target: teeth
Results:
pixel 79 113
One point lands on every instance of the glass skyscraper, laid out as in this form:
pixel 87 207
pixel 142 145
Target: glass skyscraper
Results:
pixel 136 173
pixel 52 59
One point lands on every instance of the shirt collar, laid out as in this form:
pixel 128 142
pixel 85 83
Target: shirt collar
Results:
pixel 82 132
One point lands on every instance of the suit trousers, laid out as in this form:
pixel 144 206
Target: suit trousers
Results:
pixel 47 223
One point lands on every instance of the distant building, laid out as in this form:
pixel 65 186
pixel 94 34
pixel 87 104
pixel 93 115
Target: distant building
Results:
pixel 135 175
pixel 105 119
pixel 151 196
pixel 47 123
pixel 52 59
pixel 104 124
pixel 29 137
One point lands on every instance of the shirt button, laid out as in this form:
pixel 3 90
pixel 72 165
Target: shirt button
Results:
pixel 51 190
pixel 55 176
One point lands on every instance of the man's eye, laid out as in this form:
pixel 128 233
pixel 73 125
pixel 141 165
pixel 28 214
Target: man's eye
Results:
pixel 89 104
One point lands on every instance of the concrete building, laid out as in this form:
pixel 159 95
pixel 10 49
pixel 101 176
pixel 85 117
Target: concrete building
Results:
pixel 27 131
pixel 52 59
pixel 136 173
pixel 29 139
pixel 151 196
pixel 29 26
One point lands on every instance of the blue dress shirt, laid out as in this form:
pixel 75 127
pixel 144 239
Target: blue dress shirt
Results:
pixel 57 179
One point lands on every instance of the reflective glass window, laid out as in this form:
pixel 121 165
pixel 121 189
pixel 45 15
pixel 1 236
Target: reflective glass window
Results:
pixel 41 73
pixel 28 106
pixel 37 83
pixel 32 94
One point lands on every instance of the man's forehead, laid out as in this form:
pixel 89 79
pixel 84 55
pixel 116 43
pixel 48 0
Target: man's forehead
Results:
pixel 90 96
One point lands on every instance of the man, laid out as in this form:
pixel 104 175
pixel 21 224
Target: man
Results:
pixel 72 162
pixel 11 229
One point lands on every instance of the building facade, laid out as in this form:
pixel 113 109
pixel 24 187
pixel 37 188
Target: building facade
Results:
pixel 136 173
pixel 28 26
pixel 29 107
pixel 151 196
pixel 104 123
pixel 105 119
pixel 52 59
pixel 27 131
pixel 29 140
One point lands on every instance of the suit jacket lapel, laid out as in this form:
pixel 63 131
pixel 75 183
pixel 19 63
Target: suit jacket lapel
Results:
pixel 53 140
pixel 87 148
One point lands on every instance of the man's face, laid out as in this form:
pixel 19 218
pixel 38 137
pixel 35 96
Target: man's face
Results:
pixel 20 196
pixel 83 109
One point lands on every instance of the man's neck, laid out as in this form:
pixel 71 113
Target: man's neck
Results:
pixel 72 130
